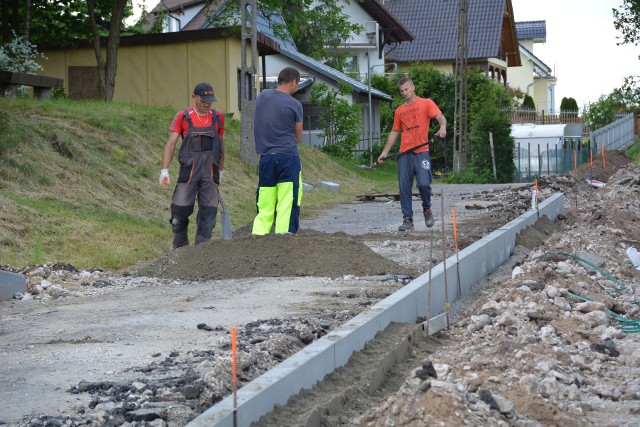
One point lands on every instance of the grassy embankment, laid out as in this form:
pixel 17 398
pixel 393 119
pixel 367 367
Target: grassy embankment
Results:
pixel 78 183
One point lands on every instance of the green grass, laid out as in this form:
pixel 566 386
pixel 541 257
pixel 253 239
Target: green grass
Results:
pixel 633 152
pixel 78 182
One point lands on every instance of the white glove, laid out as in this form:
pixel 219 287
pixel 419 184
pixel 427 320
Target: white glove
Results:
pixel 220 173
pixel 164 178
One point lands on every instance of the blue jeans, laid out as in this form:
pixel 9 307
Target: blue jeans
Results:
pixel 416 165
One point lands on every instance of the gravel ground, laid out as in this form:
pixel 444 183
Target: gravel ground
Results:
pixel 151 347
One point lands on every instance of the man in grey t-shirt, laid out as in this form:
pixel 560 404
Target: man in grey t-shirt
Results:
pixel 277 131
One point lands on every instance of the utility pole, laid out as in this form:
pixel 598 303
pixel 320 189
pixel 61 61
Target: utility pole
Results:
pixel 460 123
pixel 249 36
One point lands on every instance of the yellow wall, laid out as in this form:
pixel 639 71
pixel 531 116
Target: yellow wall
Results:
pixel 445 67
pixel 163 74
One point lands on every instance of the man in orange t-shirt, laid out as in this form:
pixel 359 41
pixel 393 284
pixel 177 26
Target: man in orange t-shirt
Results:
pixel 413 118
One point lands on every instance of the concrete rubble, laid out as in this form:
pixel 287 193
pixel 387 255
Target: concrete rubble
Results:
pixel 553 342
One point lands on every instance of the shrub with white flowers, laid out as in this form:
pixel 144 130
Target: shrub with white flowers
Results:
pixel 20 55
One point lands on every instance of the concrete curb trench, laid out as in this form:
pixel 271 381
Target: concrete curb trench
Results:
pixel 407 305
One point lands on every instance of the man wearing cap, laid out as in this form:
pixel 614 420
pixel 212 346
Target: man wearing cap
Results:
pixel 277 131
pixel 201 160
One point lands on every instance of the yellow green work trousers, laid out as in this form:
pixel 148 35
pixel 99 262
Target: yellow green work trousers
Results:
pixel 279 194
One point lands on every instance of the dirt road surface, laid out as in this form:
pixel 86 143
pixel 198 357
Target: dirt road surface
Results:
pixel 151 346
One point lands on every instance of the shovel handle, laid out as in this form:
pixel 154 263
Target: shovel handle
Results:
pixel 398 154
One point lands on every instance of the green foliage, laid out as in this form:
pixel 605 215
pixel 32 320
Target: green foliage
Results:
pixel 341 120
pixel 489 108
pixel 58 94
pixel 388 85
pixel 60 22
pixel 528 103
pixel 633 152
pixel 489 114
pixel 569 106
pixel 469 176
pixel 627 21
pixel 313 25
pixel 429 83
pixel 628 95
pixel 600 113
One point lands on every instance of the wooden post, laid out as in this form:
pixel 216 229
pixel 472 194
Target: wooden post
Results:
pixel 493 156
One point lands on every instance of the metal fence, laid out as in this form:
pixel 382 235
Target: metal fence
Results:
pixel 536 160
pixel 616 135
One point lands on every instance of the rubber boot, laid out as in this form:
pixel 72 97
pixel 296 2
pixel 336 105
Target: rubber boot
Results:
pixel 180 229
pixel 205 221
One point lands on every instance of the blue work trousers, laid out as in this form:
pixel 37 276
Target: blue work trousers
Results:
pixel 410 166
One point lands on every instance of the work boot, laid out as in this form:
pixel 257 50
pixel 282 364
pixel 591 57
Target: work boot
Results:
pixel 428 218
pixel 407 225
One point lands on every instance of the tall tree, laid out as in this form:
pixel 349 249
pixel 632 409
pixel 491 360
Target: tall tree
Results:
pixel 626 19
pixel 62 22
pixel 313 25
pixel 107 67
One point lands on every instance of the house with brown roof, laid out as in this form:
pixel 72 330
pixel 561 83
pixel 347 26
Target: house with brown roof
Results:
pixel 492 43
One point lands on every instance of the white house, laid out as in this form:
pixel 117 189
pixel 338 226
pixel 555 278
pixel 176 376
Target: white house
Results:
pixel 534 77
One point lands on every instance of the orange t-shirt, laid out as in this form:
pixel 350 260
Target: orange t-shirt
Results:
pixel 413 121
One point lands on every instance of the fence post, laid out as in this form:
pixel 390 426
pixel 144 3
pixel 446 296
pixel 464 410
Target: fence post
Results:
pixel 493 156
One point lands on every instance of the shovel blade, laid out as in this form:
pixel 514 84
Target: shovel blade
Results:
pixel 225 217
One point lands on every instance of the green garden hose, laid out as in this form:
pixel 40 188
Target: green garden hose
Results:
pixel 627 326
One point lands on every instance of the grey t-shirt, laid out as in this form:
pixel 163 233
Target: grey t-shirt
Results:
pixel 274 123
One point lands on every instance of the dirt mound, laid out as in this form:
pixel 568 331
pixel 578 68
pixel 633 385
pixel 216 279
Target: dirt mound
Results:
pixel 307 253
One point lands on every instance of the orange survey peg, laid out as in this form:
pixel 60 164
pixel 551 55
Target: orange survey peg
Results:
pixel 455 231
pixel 233 373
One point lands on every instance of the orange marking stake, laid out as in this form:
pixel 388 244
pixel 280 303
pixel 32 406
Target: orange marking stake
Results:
pixel 455 232
pixel 575 161
pixel 233 375
pixel 604 162
pixel 455 241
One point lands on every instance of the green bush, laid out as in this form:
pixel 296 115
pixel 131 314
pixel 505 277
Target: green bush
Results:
pixel 489 111
pixel 528 103
pixel 341 120
pixel 600 113
pixel 569 106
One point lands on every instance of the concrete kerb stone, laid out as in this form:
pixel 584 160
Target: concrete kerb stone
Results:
pixel 314 362
pixel 328 185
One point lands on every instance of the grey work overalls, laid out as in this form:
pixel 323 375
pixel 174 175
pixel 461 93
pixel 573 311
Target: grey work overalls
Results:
pixel 198 157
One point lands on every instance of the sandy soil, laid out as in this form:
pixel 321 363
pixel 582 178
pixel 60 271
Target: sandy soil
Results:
pixel 151 347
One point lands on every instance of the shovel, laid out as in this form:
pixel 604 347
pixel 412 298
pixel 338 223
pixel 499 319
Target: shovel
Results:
pixel 393 156
pixel 225 217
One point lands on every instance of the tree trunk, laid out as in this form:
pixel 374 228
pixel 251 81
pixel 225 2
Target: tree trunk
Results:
pixel 27 19
pixel 107 69
pixel 4 14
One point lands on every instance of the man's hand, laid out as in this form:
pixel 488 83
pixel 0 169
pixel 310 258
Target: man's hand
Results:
pixel 164 178
pixel 381 158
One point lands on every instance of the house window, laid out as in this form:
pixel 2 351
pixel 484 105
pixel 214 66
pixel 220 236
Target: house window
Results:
pixel 311 117
pixel 351 64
